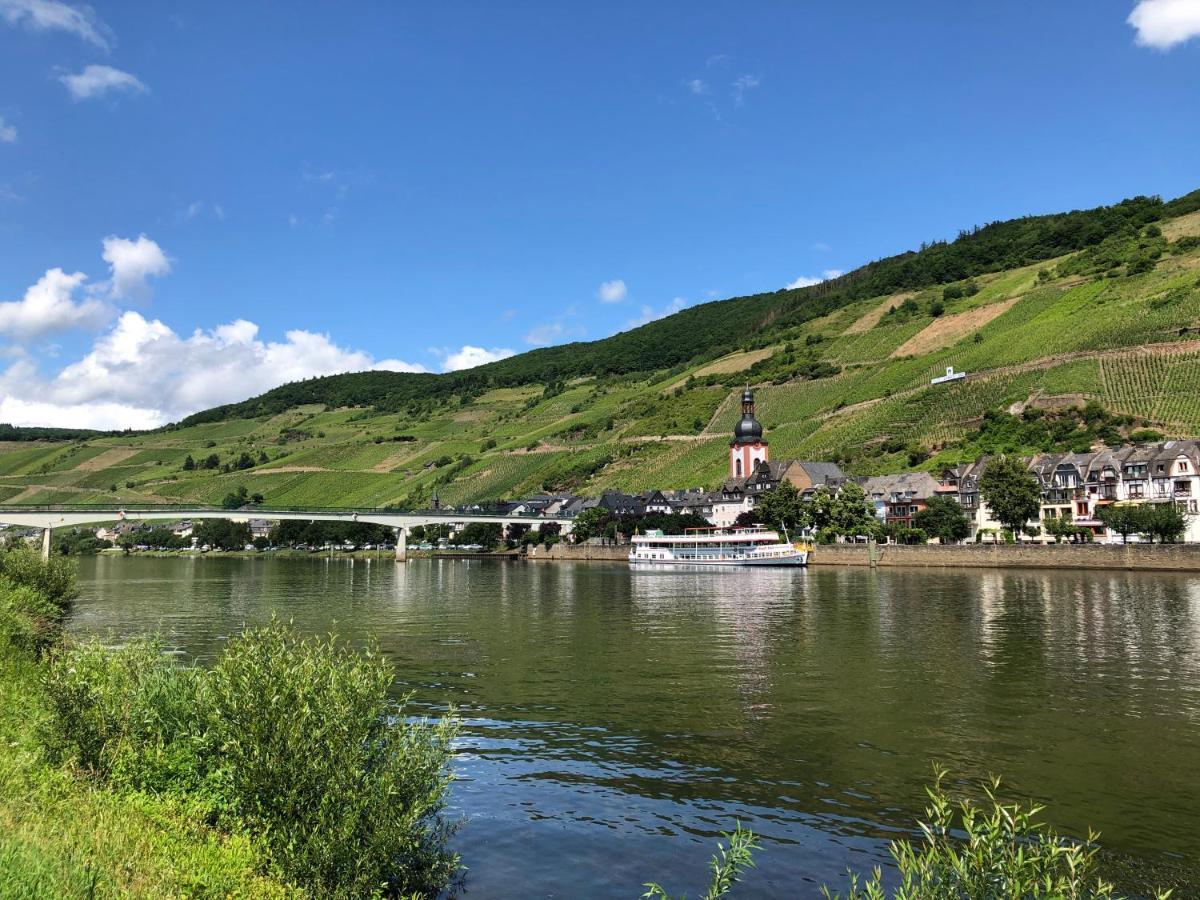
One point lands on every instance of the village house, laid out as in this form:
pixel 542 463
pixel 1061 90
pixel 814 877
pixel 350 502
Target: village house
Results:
pixel 656 502
pixel 897 498
pixel 259 528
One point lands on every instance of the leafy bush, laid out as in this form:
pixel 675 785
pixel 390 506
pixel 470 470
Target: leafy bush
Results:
pixel 347 794
pixel 131 716
pixel 28 621
pixel 294 740
pixel 993 850
pixel 34 594
pixel 54 579
pixel 726 866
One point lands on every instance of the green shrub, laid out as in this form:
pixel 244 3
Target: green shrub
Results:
pixel 346 793
pixel 54 579
pixel 34 594
pixel 28 621
pixel 294 741
pixel 726 867
pixel 131 716
pixel 969 850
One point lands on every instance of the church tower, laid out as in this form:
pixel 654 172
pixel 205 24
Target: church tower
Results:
pixel 748 448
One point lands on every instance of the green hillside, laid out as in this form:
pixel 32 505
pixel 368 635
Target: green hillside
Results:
pixel 1043 313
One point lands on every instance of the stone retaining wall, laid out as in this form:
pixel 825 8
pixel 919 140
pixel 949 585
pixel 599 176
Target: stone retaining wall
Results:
pixel 591 552
pixel 1140 557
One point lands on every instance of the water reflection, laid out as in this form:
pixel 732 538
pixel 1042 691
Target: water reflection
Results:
pixel 616 720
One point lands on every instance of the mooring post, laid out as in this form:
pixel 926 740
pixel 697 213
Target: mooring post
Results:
pixel 872 552
pixel 46 532
pixel 401 544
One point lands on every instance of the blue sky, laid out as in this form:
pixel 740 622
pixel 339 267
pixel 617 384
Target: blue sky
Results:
pixel 254 193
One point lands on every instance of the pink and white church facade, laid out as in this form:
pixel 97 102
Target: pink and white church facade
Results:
pixel 748 447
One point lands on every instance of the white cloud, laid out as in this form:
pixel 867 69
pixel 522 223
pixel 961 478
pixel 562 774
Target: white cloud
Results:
pixel 469 357
pixel 8 133
pixel 697 86
pixel 96 81
pixel 821 247
pixel 55 15
pixel 1164 23
pixel 50 306
pixel 553 333
pixel 142 374
pixel 741 85
pixel 544 335
pixel 802 282
pixel 650 314
pixel 132 263
pixel 808 281
pixel 612 291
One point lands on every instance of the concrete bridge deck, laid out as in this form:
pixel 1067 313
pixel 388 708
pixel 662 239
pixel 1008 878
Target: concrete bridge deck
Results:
pixel 48 518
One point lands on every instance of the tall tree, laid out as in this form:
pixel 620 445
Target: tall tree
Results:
pixel 1124 520
pixel 782 508
pixel 852 515
pixel 944 519
pixel 1164 521
pixel 1011 492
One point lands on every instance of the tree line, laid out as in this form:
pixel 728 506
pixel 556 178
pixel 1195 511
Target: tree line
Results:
pixel 711 329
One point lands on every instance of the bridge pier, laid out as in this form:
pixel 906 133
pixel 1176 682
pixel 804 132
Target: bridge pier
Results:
pixel 402 544
pixel 46 532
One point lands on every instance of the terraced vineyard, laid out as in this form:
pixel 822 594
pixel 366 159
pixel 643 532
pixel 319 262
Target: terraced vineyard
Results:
pixel 1030 335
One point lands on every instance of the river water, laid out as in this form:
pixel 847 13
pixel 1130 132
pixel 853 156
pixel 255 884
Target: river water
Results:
pixel 616 722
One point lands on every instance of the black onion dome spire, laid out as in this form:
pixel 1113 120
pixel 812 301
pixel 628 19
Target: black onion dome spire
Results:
pixel 748 430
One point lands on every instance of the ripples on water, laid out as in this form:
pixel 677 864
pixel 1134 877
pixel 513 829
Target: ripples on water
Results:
pixel 614 722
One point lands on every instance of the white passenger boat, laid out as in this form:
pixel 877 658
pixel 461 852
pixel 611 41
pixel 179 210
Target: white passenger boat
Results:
pixel 711 547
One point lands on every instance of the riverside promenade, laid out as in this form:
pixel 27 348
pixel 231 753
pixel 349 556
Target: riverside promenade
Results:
pixel 1131 557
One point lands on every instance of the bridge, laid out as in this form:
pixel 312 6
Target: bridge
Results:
pixel 48 518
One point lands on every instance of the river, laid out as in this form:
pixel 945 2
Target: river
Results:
pixel 616 722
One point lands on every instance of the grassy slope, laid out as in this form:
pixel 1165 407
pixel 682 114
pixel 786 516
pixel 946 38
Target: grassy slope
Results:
pixel 1121 340
pixel 61 837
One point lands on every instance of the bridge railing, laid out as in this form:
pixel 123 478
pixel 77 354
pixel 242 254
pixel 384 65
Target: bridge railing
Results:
pixel 263 511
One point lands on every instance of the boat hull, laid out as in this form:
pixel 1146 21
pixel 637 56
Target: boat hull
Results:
pixel 799 559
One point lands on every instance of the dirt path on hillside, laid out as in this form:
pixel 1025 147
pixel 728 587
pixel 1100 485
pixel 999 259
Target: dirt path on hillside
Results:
pixel 387 464
pixel 33 489
pixel 947 330
pixel 1177 228
pixel 299 469
pixel 113 457
pixel 870 319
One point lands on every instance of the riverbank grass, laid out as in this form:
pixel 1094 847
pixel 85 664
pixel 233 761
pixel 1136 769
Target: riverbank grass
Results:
pixel 64 836
pixel 284 768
